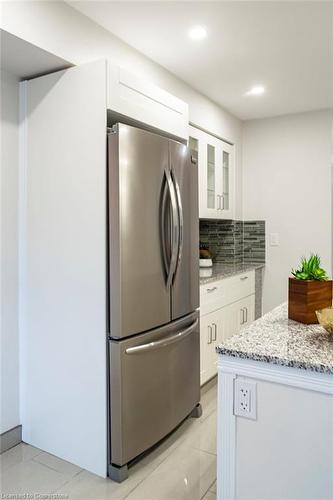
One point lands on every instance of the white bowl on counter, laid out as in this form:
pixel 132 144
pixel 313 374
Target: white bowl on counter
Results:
pixel 206 263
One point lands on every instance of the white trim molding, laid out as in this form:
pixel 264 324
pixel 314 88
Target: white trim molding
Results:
pixel 226 437
pixel 285 375
pixel 22 251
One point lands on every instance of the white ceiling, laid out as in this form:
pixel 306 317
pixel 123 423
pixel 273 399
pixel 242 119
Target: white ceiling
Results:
pixel 284 45
pixel 24 60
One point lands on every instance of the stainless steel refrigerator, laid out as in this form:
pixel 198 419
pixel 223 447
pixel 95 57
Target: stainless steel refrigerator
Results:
pixel 154 353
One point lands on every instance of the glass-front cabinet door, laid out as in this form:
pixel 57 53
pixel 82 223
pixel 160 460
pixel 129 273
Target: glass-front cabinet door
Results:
pixel 200 141
pixel 211 176
pixel 216 175
pixel 227 186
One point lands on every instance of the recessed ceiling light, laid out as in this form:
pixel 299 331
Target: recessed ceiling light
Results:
pixel 256 90
pixel 197 32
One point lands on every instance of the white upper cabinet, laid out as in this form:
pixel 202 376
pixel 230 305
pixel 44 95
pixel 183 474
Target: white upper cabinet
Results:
pixel 216 175
pixel 140 100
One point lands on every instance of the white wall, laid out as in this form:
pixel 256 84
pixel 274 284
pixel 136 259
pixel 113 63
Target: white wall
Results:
pixel 287 182
pixel 63 31
pixel 9 339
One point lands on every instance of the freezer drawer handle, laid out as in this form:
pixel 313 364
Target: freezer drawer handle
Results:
pixel 163 343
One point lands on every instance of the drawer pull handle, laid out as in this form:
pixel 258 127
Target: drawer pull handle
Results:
pixel 244 278
pixel 209 335
pixel 210 290
pixel 242 316
pixel 215 332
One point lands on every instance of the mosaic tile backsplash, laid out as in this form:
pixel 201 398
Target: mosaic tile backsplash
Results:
pixel 233 241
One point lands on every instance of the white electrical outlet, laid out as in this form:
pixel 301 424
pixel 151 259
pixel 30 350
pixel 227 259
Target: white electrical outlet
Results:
pixel 245 399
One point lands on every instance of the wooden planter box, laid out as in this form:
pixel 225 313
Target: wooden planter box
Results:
pixel 306 297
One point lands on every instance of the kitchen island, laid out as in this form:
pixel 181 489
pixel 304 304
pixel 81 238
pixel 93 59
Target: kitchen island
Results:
pixel 275 411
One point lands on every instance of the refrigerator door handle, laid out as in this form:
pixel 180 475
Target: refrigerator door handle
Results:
pixel 174 228
pixel 181 220
pixel 163 343
pixel 165 258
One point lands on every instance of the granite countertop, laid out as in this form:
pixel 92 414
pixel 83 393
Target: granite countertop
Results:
pixel 220 271
pixel 276 339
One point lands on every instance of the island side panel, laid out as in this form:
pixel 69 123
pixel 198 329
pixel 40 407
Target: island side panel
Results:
pixel 287 452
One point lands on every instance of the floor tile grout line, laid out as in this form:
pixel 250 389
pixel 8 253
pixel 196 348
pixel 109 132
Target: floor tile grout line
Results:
pixel 66 482
pixel 24 460
pixel 56 470
pixel 203 496
pixel 155 468
pixel 143 479
pixel 205 451
pixel 175 446
pixel 168 456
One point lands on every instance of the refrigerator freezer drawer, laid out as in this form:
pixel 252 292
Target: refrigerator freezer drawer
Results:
pixel 154 385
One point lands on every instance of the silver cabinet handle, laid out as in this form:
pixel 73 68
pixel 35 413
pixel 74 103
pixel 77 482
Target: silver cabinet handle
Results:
pixel 243 316
pixel 246 314
pixel 218 202
pixel 243 278
pixel 222 198
pixel 151 346
pixel 210 290
pixel 215 332
pixel 209 334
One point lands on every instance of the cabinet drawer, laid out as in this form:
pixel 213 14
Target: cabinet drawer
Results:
pixel 223 292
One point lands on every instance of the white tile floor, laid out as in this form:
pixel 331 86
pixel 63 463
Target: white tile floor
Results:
pixel 182 468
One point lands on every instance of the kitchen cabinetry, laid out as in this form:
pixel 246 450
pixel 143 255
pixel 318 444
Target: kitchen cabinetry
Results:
pixel 131 96
pixel 226 306
pixel 216 175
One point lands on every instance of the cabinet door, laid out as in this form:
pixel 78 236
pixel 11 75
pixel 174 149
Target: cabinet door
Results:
pixel 205 348
pixel 247 311
pixel 216 175
pixel 210 176
pixel 236 316
pixel 196 144
pixel 134 97
pixel 210 337
pixel 227 174
pixel 231 320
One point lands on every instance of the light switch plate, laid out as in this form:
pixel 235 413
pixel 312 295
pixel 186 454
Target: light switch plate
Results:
pixel 245 399
pixel 274 239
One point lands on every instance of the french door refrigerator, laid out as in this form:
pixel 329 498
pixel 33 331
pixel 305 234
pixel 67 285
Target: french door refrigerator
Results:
pixel 154 353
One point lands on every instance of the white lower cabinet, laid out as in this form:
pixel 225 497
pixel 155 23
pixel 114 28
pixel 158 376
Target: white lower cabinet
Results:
pixel 210 336
pixel 219 324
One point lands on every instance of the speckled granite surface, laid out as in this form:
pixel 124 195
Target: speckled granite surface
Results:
pixel 276 339
pixel 220 271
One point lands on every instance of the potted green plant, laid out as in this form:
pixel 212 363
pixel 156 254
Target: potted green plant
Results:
pixel 310 289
